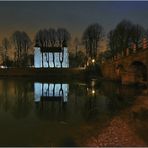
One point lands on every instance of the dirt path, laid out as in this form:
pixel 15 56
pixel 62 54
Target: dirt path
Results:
pixel 118 133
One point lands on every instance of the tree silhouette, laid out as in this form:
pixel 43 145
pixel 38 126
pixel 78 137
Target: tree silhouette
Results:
pixel 5 46
pixel 63 36
pixel 137 33
pixel 123 35
pixel 21 42
pixel 52 38
pixel 26 44
pixel 40 40
pixel 91 38
pixel 77 43
pixel 120 36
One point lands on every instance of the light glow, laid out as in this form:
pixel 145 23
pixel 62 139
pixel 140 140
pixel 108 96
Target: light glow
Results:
pixel 93 92
pixel 93 60
pixel 3 66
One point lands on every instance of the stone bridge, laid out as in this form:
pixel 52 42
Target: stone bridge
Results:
pixel 132 68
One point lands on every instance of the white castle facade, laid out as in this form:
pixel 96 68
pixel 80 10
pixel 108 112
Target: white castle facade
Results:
pixel 51 57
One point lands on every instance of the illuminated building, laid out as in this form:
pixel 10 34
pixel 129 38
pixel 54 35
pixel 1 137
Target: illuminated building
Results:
pixel 51 57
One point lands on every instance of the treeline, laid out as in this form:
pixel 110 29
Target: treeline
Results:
pixel 123 36
pixel 21 43
pixel 125 39
pixel 126 36
pixel 52 38
pixel 91 38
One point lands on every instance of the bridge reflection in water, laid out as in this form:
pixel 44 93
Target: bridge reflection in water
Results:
pixel 51 92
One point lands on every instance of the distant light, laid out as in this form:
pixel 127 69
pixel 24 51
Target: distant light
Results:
pixel 3 66
pixel 93 92
pixel 87 63
pixel 93 60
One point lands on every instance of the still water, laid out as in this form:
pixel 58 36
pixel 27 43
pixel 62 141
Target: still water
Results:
pixel 58 113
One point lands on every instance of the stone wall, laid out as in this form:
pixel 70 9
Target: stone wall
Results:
pixel 120 69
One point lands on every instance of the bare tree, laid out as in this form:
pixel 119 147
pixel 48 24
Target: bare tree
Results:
pixel 47 43
pixel 26 43
pixel 91 38
pixel 112 38
pixel 63 37
pixel 77 43
pixel 123 35
pixel 5 46
pixel 16 39
pixel 44 39
pixel 40 41
pixel 21 42
pixel 137 33
pixel 52 38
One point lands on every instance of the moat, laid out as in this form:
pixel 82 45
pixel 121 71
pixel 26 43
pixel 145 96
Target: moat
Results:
pixel 60 113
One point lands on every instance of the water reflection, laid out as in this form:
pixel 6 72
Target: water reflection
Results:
pixel 51 92
pixel 77 100
pixel 50 100
pixel 58 111
pixel 91 88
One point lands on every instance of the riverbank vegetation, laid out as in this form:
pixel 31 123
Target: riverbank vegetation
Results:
pixel 17 50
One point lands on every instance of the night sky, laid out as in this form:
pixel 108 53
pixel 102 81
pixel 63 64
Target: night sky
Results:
pixel 75 16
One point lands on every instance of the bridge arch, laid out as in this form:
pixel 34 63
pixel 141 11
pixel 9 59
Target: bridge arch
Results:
pixel 139 71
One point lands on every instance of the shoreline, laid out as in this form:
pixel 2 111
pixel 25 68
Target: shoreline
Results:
pixel 38 72
pixel 123 129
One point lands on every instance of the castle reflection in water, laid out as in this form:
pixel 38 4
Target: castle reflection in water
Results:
pixel 51 92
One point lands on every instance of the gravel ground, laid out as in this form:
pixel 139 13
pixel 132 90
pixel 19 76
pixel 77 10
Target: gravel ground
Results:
pixel 120 131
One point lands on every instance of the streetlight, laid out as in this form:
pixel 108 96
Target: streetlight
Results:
pixel 93 92
pixel 93 60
